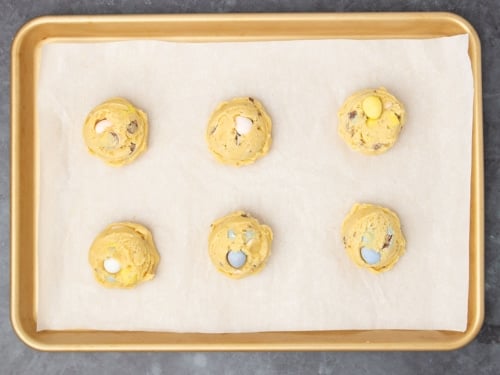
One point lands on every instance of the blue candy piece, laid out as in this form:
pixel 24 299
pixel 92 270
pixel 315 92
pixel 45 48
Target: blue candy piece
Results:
pixel 367 237
pixel 370 256
pixel 249 235
pixel 236 258
pixel 231 234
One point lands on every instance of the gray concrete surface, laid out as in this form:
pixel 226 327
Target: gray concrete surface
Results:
pixel 480 357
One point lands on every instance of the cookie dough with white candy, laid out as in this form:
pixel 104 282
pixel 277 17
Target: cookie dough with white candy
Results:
pixel 116 132
pixel 239 131
pixel 370 121
pixel 123 255
pixel 239 245
pixel 373 237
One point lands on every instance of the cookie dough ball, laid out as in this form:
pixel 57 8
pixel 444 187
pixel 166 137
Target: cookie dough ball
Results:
pixel 372 237
pixel 370 121
pixel 239 132
pixel 239 245
pixel 116 132
pixel 123 255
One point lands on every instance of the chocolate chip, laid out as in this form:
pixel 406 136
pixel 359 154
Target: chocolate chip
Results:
pixel 116 140
pixel 352 114
pixel 214 129
pixel 251 99
pixel 377 146
pixel 132 127
pixel 132 147
pixel 387 241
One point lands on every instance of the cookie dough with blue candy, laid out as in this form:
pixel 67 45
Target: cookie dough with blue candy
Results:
pixel 123 255
pixel 239 245
pixel 372 237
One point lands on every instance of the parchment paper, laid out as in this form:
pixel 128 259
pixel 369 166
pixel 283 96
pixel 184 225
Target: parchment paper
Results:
pixel 302 189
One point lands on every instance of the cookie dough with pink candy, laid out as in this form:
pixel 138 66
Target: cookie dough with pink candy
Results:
pixel 123 255
pixel 239 131
pixel 116 132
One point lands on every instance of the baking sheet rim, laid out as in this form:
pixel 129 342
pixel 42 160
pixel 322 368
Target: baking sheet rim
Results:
pixel 32 338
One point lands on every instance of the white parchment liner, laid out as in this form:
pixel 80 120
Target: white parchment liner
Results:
pixel 302 189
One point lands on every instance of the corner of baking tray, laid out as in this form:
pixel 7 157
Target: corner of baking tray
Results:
pixel 466 26
pixel 29 28
pixel 22 332
pixel 469 335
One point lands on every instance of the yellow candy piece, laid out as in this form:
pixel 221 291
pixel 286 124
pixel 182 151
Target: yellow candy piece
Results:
pixel 392 118
pixel 372 106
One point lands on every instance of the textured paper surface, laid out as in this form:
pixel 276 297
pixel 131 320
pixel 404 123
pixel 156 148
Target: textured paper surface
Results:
pixel 302 189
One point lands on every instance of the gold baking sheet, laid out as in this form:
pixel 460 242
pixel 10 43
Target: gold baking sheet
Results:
pixel 227 27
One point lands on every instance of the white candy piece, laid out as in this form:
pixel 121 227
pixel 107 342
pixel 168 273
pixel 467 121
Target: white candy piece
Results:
pixel 111 265
pixel 243 125
pixel 102 126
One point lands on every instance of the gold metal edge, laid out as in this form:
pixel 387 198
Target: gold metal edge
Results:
pixel 15 317
pixel 22 35
pixel 214 18
pixel 217 17
pixel 478 180
pixel 479 242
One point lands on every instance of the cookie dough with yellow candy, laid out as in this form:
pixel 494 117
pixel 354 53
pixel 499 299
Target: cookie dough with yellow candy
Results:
pixel 370 121
pixel 372 237
pixel 123 255
pixel 116 132
pixel 239 245
pixel 239 131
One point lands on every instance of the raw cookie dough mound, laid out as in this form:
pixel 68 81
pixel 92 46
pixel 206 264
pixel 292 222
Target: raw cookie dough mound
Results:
pixel 116 132
pixel 239 131
pixel 370 121
pixel 123 255
pixel 372 237
pixel 239 245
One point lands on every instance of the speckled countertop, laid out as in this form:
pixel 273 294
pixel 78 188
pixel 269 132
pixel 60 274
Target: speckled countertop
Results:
pixel 480 357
